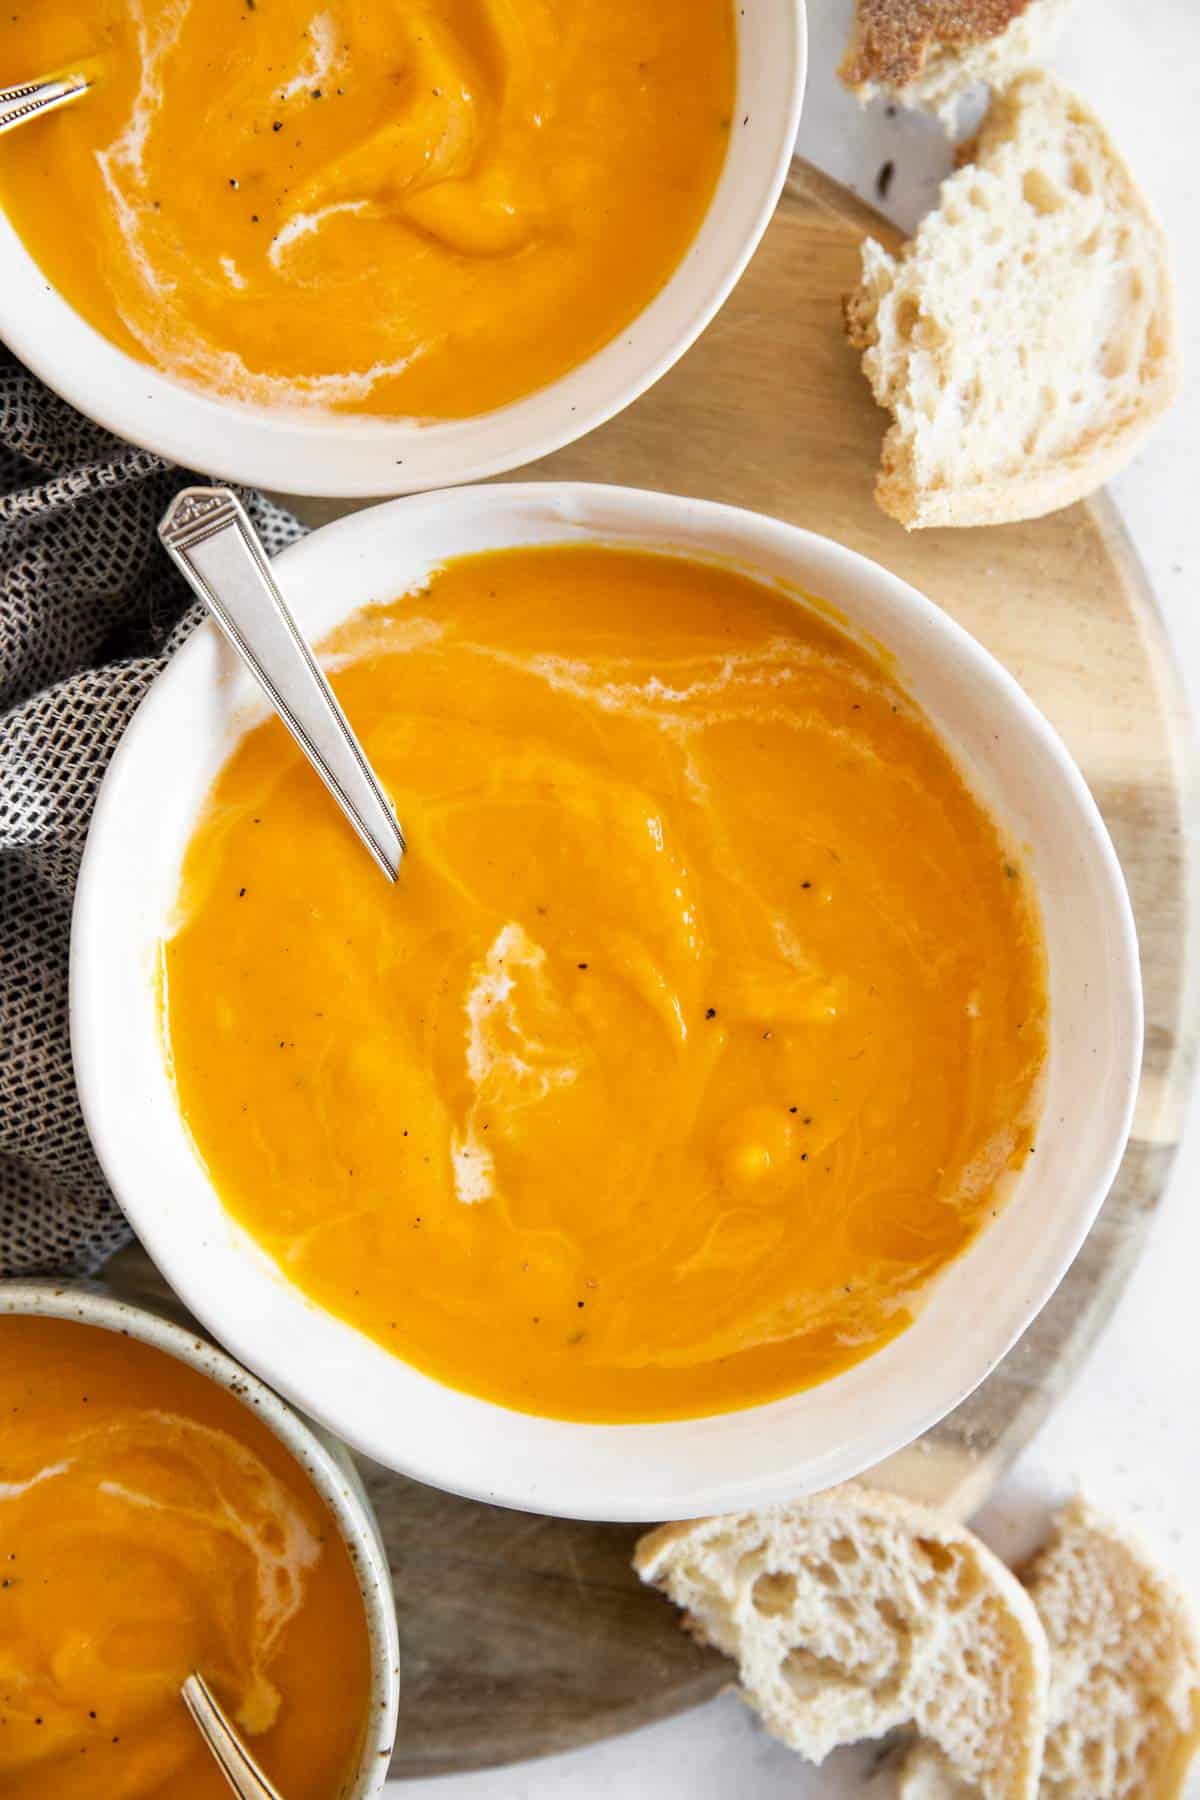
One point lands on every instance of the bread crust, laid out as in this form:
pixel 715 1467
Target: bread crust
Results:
pixel 893 38
pixel 1112 1616
pixel 1008 502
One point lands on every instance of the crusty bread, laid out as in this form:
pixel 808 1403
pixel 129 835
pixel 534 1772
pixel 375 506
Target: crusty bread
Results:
pixel 1124 1705
pixel 854 1612
pixel 1024 339
pixel 1124 1665
pixel 928 53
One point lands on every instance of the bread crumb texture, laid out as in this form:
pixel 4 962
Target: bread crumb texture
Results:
pixel 927 53
pixel 1024 338
pixel 1124 1710
pixel 852 1613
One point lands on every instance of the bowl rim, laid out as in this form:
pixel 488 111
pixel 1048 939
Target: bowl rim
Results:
pixel 656 521
pixel 326 1465
pixel 360 455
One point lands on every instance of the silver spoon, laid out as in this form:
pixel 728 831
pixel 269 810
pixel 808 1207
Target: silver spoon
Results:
pixel 210 538
pixel 234 1760
pixel 30 99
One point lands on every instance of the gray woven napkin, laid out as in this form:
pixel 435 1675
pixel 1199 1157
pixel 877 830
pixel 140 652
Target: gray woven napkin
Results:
pixel 90 611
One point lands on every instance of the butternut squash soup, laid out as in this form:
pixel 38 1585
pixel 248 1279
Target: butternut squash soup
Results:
pixel 409 207
pixel 703 1025
pixel 151 1525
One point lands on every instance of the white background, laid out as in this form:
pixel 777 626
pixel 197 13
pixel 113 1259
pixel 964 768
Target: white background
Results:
pixel 1130 1428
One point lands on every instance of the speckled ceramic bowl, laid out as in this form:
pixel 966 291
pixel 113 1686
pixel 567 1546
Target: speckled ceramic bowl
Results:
pixel 323 1459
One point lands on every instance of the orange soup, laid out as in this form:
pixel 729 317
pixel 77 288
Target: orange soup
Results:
pixel 410 207
pixel 703 1025
pixel 151 1525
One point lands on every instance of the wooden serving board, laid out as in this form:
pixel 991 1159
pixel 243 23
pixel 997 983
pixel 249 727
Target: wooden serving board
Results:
pixel 523 1635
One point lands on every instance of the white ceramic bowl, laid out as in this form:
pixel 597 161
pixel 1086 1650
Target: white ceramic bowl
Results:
pixel 972 1313
pixel 301 453
pixel 325 1463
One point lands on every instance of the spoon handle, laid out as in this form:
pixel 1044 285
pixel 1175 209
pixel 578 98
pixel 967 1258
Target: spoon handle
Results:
pixel 234 1760
pixel 209 536
pixel 29 99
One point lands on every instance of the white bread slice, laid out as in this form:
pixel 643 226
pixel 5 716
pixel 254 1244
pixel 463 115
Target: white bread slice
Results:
pixel 1024 339
pixel 854 1612
pixel 1124 1664
pixel 1124 1705
pixel 929 53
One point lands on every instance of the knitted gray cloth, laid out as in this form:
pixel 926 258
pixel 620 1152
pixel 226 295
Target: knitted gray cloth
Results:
pixel 90 610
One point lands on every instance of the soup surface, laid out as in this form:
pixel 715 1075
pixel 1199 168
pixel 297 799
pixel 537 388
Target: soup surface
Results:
pixel 149 1526
pixel 703 1022
pixel 419 207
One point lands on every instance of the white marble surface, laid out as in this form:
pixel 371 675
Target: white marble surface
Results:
pixel 1130 1428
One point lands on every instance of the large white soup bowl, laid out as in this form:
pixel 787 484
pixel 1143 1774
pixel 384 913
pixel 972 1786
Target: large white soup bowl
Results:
pixel 968 1316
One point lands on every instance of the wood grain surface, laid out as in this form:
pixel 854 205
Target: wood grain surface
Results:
pixel 522 1635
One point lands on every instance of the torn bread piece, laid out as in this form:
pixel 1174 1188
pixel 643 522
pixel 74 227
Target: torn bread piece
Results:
pixel 854 1612
pixel 1124 1664
pixel 928 53
pixel 1124 1701
pixel 1024 339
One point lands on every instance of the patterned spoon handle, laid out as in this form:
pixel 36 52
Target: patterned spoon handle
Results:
pixel 30 99
pixel 208 534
